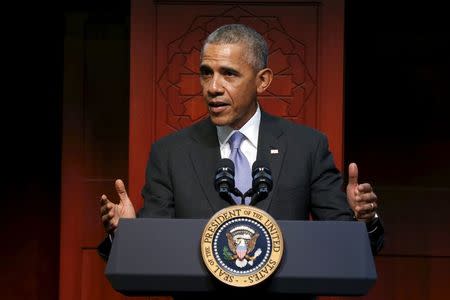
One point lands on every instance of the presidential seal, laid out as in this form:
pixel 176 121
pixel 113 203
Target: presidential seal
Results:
pixel 242 245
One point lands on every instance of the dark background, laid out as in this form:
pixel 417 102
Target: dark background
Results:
pixel 396 124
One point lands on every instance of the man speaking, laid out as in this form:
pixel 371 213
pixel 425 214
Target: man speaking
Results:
pixel 181 167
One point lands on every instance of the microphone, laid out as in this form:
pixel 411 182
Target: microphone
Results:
pixel 262 181
pixel 224 180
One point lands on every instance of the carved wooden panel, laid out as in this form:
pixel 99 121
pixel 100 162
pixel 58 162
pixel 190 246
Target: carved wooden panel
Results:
pixel 292 57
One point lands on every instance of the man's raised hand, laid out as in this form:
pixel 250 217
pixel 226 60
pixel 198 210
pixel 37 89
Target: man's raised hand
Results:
pixel 360 197
pixel 111 213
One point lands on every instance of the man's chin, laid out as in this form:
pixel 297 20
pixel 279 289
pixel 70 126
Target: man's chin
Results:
pixel 219 121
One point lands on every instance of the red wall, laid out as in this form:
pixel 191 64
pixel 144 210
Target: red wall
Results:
pixel 397 129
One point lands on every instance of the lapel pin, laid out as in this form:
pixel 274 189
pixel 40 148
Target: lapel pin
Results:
pixel 273 151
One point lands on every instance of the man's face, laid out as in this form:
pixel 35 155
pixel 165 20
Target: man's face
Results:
pixel 229 84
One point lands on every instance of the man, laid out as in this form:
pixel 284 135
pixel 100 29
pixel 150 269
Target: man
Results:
pixel 181 167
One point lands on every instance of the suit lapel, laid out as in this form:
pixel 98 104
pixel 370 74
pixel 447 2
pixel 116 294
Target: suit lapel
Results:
pixel 271 148
pixel 204 155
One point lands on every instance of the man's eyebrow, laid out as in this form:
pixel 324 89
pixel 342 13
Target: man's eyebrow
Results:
pixel 204 68
pixel 229 70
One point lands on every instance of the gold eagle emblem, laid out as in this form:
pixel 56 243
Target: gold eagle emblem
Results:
pixel 242 242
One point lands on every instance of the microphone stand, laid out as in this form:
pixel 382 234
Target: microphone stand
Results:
pixel 227 197
pixel 249 193
pixel 259 195
pixel 225 194
pixel 237 193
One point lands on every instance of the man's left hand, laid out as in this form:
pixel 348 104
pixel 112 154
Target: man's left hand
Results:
pixel 360 197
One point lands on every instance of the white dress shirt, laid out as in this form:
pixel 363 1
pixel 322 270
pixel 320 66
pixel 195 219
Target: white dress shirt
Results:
pixel 249 146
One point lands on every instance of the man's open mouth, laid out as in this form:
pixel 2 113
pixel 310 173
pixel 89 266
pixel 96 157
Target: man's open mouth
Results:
pixel 217 104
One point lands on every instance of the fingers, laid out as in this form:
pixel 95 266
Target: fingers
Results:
pixel 105 209
pixel 109 222
pixel 365 188
pixel 107 217
pixel 105 205
pixel 121 191
pixel 103 200
pixel 361 197
pixel 108 213
pixel 111 213
pixel 365 208
pixel 352 174
pixel 367 198
pixel 366 216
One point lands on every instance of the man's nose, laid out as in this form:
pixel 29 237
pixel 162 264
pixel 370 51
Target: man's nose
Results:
pixel 216 86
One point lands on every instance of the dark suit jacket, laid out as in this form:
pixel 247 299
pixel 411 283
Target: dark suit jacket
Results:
pixel 181 169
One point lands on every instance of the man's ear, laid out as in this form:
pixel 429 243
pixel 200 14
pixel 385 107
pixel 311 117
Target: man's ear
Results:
pixel 263 80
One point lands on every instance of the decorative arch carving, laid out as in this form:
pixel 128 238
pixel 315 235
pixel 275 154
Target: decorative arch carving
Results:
pixel 294 85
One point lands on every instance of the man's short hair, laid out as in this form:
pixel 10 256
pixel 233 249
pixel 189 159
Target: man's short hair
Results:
pixel 239 33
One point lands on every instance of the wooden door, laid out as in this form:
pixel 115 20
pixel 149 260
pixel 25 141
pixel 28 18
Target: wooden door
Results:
pixel 94 144
pixel 306 54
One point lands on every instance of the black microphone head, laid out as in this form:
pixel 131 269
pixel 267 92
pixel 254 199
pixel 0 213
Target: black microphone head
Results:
pixel 226 163
pixel 259 165
pixel 262 176
pixel 224 178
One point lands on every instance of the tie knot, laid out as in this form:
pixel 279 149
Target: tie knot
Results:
pixel 236 139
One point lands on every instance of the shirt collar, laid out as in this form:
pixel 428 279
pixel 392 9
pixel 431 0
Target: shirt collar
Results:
pixel 250 130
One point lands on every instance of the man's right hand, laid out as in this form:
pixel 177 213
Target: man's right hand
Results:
pixel 111 212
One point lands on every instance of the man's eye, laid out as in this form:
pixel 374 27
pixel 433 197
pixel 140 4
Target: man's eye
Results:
pixel 229 73
pixel 205 72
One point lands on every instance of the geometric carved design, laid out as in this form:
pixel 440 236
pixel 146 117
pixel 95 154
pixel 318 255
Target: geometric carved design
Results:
pixel 179 83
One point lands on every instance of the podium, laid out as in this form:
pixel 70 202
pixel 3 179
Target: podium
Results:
pixel 162 256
